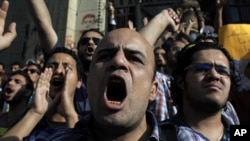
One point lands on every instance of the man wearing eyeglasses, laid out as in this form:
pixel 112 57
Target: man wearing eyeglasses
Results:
pixel 204 79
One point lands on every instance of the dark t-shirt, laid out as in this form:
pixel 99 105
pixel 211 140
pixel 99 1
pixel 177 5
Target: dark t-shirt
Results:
pixel 6 123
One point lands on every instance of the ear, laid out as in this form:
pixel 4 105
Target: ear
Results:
pixel 153 91
pixel 79 83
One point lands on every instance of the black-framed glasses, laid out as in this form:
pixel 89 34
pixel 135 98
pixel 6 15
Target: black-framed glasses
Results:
pixel 204 68
pixel 85 40
pixel 31 71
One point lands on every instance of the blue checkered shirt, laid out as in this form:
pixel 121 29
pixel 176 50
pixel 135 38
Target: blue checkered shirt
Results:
pixel 185 133
pixel 162 106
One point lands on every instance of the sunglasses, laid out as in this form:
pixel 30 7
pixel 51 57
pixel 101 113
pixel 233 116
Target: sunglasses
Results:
pixel 31 71
pixel 204 68
pixel 85 40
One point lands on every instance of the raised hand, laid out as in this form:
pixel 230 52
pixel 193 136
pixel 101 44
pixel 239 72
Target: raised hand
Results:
pixel 7 37
pixel 220 3
pixel 173 18
pixel 131 25
pixel 42 101
pixel 66 106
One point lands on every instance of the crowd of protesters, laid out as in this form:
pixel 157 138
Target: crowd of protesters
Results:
pixel 170 80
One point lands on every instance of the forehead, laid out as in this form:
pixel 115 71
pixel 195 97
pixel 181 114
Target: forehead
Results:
pixel 160 50
pixel 210 55
pixel 125 38
pixel 18 77
pixel 62 57
pixel 93 34
pixel 32 66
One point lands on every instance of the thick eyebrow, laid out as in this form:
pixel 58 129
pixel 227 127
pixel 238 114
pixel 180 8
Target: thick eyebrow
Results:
pixel 113 50
pixel 137 52
pixel 106 50
pixel 56 63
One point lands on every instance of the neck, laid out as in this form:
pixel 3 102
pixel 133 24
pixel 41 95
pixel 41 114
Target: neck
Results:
pixel 85 66
pixel 140 132
pixel 210 125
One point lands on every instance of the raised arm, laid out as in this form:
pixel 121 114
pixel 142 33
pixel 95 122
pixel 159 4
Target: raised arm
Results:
pixel 7 37
pixel 167 18
pixel 218 17
pixel 41 104
pixel 42 19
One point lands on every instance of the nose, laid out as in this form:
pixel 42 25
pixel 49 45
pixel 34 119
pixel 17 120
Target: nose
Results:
pixel 59 69
pixel 11 82
pixel 158 55
pixel 119 62
pixel 91 42
pixel 214 74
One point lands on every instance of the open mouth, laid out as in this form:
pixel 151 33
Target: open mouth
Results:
pixel 116 90
pixel 89 50
pixel 57 82
pixel 8 90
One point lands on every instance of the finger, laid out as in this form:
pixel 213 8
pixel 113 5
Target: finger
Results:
pixel 48 72
pixel 11 34
pixel 3 12
pixel 5 6
pixel 39 84
pixel 66 82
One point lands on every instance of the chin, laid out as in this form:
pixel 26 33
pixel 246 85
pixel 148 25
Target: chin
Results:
pixel 208 105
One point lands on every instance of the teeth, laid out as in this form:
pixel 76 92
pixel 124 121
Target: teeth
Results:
pixel 115 102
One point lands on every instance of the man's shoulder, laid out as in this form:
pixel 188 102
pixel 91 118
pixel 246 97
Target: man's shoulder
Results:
pixel 168 131
pixel 51 134
pixel 81 131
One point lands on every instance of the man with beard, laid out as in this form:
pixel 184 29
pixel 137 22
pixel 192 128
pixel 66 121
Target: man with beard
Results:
pixel 16 93
pixel 49 40
pixel 204 78
pixel 53 104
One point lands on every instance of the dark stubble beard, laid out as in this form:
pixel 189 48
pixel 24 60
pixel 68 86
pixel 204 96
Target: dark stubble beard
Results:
pixel 208 106
pixel 19 97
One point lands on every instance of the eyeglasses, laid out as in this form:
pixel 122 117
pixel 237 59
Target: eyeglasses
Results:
pixel 204 68
pixel 31 71
pixel 85 40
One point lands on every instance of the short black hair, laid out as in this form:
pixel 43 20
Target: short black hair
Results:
pixel 15 63
pixel 31 63
pixel 69 52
